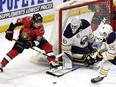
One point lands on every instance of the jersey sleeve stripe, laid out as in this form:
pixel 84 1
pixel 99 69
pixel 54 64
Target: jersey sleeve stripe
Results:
pixel 111 56
pixel 66 48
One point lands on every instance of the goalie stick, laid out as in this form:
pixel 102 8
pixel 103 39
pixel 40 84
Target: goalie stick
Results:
pixel 94 9
pixel 103 20
pixel 78 65
pixel 61 74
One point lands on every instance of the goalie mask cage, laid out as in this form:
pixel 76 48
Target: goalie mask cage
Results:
pixel 86 10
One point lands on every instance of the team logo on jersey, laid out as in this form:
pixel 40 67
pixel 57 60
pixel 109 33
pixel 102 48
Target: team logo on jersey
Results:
pixel 78 35
pixel 83 40
pixel 25 34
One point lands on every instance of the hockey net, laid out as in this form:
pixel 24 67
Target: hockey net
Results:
pixel 66 11
pixel 100 9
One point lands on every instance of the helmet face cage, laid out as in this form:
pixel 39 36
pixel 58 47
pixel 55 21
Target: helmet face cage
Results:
pixel 73 27
pixel 105 30
pixel 75 23
pixel 37 18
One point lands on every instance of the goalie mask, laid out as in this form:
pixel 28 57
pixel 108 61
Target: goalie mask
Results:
pixel 75 23
pixel 105 30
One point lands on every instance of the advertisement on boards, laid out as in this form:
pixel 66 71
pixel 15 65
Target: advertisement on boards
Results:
pixel 11 9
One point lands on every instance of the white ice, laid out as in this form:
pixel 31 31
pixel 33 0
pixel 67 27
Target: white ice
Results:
pixel 20 72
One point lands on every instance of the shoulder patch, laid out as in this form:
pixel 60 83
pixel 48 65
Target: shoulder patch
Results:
pixel 85 24
pixel 68 32
pixel 41 30
pixel 111 38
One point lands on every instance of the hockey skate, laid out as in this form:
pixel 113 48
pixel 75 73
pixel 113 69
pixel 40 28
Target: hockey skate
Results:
pixel 1 68
pixel 97 79
pixel 54 65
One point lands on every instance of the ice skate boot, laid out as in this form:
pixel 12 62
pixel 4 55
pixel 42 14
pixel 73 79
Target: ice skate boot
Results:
pixel 54 65
pixel 97 79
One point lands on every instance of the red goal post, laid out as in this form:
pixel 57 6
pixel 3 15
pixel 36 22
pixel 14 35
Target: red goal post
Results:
pixel 80 9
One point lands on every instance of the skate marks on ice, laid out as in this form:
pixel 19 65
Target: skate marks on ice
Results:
pixel 36 76
pixel 14 73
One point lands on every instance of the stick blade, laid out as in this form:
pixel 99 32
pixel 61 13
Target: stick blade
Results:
pixel 51 73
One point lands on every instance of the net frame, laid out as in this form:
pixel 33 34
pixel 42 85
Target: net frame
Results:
pixel 77 6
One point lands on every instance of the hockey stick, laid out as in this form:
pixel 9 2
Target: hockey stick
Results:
pixel 95 10
pixel 57 56
pixel 59 75
pixel 103 20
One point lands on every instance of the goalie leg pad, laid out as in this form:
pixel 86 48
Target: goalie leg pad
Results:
pixel 85 59
pixel 67 63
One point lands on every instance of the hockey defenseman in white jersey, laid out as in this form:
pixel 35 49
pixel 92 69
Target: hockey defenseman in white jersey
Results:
pixel 78 43
pixel 109 56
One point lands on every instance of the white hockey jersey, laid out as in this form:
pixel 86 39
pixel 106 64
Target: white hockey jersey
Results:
pixel 80 38
pixel 111 46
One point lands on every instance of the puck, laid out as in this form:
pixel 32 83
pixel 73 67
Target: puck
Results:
pixel 54 82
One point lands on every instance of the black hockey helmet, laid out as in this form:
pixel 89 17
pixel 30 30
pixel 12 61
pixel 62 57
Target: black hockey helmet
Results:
pixel 37 18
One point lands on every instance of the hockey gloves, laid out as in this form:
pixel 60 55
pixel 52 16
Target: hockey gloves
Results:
pixel 9 32
pixel 90 60
pixel 9 35
pixel 25 44
pixel 99 56
pixel 28 44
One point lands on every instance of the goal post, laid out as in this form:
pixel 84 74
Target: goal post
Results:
pixel 102 8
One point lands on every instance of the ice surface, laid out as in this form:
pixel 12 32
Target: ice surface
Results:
pixel 20 72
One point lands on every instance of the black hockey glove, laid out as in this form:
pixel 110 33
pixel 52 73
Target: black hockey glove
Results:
pixel 9 35
pixel 90 60
pixel 28 44
pixel 9 32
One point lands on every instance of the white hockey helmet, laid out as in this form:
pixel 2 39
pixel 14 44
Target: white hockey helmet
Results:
pixel 106 30
pixel 75 23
